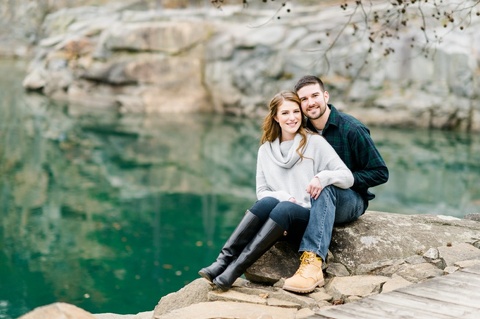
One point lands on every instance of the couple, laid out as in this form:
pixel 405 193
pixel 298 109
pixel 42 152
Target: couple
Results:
pixel 312 173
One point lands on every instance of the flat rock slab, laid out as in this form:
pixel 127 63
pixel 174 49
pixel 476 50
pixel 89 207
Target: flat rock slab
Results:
pixel 223 309
pixel 140 315
pixel 58 310
pixel 456 253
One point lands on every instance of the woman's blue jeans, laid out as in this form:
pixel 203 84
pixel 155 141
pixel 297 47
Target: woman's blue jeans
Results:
pixel 333 206
pixel 292 217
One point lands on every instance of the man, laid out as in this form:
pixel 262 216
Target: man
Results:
pixel 332 205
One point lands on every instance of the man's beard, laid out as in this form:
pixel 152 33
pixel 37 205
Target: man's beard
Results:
pixel 320 115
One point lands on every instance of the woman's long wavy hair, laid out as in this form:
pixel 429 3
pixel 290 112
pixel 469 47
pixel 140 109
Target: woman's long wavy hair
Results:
pixel 271 128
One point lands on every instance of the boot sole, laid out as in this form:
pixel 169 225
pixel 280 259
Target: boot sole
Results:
pixel 305 290
pixel 220 286
pixel 206 276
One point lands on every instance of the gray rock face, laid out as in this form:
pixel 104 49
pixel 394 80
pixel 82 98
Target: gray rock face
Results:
pixel 375 240
pixel 276 263
pixel 157 61
pixel 475 217
pixel 195 292
pixel 384 236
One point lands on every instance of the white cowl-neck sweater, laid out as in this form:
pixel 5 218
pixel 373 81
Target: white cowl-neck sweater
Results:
pixel 285 176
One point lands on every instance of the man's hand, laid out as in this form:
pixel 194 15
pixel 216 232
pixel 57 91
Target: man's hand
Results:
pixel 314 188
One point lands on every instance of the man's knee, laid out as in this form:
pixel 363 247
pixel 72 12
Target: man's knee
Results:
pixel 350 207
pixel 327 196
pixel 330 190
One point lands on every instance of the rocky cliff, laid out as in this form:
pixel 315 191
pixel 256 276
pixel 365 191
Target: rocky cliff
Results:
pixel 233 60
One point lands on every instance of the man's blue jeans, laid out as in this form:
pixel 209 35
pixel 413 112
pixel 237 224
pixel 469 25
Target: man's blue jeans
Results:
pixel 333 206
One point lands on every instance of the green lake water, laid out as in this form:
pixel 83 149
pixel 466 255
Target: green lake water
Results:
pixel 110 213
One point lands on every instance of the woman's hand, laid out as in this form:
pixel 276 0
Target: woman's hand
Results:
pixel 292 199
pixel 314 188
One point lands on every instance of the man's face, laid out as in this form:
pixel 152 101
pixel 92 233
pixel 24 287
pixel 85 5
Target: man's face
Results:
pixel 314 101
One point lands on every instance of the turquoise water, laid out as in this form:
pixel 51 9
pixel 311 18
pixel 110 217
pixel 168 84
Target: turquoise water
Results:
pixel 111 213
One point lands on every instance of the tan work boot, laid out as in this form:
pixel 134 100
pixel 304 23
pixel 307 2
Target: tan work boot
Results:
pixel 308 276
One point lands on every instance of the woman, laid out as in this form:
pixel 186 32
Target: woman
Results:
pixel 293 166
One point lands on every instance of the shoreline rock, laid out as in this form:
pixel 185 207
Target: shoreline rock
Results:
pixel 432 246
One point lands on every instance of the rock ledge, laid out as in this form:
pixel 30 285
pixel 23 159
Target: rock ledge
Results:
pixel 379 253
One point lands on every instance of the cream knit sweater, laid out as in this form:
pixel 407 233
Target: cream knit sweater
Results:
pixel 285 176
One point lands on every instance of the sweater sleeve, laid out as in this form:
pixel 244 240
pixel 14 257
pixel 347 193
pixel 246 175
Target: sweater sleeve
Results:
pixel 331 170
pixel 263 189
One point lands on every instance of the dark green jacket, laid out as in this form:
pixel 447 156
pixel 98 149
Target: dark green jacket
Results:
pixel 351 139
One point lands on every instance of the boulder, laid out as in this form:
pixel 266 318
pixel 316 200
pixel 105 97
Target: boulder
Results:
pixel 195 292
pixel 58 310
pixel 281 261
pixel 380 236
pixel 373 238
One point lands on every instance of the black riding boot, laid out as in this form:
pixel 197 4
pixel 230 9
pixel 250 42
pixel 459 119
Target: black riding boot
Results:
pixel 266 237
pixel 241 236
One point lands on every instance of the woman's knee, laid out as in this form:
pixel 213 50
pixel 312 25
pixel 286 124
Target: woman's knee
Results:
pixel 286 213
pixel 263 207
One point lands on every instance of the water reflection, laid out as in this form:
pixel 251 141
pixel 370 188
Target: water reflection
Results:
pixel 432 172
pixel 112 212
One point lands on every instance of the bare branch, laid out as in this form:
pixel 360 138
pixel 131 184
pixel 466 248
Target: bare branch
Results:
pixel 273 16
pixel 381 23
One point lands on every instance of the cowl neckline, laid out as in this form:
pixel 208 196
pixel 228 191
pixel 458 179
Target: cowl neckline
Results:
pixel 291 157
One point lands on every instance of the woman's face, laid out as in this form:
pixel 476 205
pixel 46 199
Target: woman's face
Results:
pixel 289 117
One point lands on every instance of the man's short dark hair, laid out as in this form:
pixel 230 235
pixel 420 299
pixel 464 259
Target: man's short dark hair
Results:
pixel 309 80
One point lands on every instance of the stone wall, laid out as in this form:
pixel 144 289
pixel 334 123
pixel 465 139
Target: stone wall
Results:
pixel 150 60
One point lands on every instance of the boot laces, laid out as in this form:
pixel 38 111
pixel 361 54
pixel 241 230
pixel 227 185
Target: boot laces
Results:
pixel 306 259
